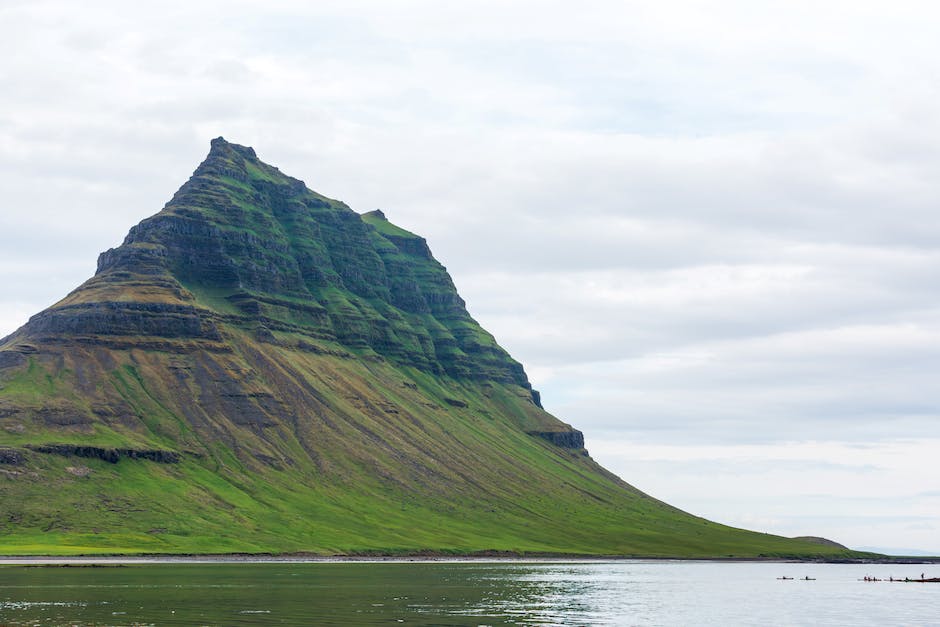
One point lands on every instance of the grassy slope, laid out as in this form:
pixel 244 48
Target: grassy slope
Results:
pixel 439 478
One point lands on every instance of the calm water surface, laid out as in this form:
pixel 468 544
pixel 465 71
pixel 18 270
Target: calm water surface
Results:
pixel 503 593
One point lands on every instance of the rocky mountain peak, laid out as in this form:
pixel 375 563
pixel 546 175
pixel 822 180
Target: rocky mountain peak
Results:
pixel 242 240
pixel 220 146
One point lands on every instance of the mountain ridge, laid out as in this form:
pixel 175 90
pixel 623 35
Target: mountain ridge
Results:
pixel 258 368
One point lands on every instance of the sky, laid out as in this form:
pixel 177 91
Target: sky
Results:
pixel 709 230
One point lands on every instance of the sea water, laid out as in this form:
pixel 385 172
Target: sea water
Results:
pixel 467 593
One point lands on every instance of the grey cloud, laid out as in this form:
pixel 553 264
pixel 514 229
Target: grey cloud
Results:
pixel 753 467
pixel 229 70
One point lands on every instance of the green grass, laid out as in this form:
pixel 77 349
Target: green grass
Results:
pixel 385 227
pixel 438 478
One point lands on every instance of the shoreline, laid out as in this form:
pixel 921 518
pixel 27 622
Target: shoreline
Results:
pixel 60 560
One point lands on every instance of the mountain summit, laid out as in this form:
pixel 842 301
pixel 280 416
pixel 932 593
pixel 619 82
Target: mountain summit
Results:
pixel 258 368
pixel 244 245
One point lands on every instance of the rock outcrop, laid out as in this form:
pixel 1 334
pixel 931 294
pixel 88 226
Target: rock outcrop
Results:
pixel 566 439
pixel 110 455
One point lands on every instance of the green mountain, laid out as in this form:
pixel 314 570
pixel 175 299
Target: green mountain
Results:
pixel 258 368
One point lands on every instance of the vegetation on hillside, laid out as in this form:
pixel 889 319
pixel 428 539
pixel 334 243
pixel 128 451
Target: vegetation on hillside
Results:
pixel 259 369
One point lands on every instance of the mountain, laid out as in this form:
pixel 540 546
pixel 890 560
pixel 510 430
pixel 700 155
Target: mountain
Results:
pixel 258 368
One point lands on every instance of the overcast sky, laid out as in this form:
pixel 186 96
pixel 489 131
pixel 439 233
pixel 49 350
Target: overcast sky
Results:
pixel 709 230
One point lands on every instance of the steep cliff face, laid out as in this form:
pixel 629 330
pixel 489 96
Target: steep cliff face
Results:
pixel 259 368
pixel 242 240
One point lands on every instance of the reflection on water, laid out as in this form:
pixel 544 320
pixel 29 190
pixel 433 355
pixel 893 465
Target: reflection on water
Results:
pixel 466 593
